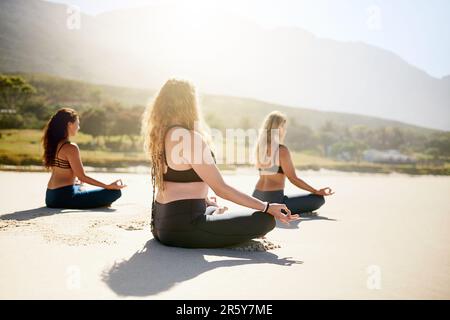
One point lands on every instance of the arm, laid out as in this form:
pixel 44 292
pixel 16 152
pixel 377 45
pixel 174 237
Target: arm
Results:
pixel 289 170
pixel 208 171
pixel 73 156
pixel 211 175
pixel 194 151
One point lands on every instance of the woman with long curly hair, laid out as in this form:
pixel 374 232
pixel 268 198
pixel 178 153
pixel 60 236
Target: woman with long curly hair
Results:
pixel 183 168
pixel 274 162
pixel 62 157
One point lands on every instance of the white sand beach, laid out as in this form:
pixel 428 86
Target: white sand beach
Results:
pixel 378 237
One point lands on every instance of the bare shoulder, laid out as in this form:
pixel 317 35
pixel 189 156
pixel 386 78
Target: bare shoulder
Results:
pixel 70 148
pixel 284 153
pixel 176 134
pixel 283 150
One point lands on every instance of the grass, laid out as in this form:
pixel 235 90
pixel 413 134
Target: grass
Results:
pixel 23 148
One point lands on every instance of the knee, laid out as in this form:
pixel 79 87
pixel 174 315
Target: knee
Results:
pixel 271 224
pixel 267 222
pixel 320 200
pixel 114 194
pixel 53 203
pixel 49 205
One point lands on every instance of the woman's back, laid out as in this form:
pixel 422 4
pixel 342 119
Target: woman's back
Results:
pixel 273 177
pixel 175 190
pixel 62 173
pixel 270 182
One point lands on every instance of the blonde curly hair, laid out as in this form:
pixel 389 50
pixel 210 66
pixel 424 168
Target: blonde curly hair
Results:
pixel 175 103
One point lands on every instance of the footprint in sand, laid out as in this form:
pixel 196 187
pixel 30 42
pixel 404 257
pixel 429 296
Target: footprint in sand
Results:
pixel 134 225
pixel 13 225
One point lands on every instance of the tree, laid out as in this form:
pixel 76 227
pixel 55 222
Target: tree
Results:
pixel 38 107
pixel 94 121
pixel 214 122
pixel 245 123
pixel 127 122
pixel 14 91
pixel 95 96
pixel 328 135
pixel 360 133
pixel 439 144
pixel 301 137
pixel 354 149
pixel 11 121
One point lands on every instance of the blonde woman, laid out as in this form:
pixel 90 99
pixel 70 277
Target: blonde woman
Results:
pixel 183 168
pixel 274 162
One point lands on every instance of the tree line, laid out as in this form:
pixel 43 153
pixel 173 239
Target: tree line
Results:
pixel 116 127
pixel 24 107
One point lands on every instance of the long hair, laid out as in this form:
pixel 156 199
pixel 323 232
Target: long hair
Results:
pixel 55 131
pixel 269 137
pixel 175 103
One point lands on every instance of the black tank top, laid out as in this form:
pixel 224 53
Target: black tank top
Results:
pixel 188 175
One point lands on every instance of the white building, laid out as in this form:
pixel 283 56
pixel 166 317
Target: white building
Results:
pixel 386 156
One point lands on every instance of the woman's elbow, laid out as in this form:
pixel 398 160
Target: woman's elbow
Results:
pixel 221 191
pixel 292 177
pixel 82 177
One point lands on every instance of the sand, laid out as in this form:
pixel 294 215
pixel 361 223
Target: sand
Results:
pixel 378 237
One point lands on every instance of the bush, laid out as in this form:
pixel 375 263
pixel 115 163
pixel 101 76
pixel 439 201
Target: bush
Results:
pixel 11 121
pixel 113 145
pixel 30 121
pixel 91 145
pixel 38 108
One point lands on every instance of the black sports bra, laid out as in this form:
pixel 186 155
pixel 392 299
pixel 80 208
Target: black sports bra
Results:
pixel 273 169
pixel 188 175
pixel 61 163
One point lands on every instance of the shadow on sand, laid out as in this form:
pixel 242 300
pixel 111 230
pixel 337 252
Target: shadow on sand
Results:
pixel 157 268
pixel 304 218
pixel 25 215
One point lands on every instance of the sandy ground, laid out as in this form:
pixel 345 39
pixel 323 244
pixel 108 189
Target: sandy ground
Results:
pixel 378 237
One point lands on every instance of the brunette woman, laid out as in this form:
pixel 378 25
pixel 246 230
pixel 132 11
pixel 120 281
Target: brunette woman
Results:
pixel 63 158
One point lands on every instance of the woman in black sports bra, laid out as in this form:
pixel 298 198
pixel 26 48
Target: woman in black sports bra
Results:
pixel 190 175
pixel 62 157
pixel 275 166
pixel 183 169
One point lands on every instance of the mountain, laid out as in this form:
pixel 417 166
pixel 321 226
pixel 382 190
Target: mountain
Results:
pixel 223 55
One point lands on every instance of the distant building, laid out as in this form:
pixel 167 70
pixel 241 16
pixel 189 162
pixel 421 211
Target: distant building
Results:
pixel 386 156
pixel 344 156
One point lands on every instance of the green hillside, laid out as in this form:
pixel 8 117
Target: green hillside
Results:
pixel 110 127
pixel 238 111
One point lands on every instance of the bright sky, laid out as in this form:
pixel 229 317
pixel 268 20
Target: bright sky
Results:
pixel 416 30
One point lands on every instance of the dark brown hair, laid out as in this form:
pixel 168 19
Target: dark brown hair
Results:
pixel 55 131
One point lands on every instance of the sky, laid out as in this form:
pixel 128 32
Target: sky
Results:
pixel 416 30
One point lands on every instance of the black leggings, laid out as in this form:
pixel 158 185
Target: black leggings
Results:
pixel 185 223
pixel 297 204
